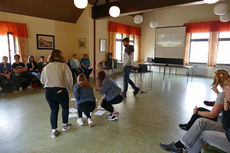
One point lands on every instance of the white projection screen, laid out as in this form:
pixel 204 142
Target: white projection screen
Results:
pixel 169 42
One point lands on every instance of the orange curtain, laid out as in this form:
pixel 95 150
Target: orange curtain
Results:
pixel 22 44
pixel 212 48
pixel 112 44
pixel 17 29
pixel 211 26
pixel 125 29
pixel 186 49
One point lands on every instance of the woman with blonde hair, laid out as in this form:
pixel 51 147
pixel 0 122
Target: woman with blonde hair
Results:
pixel 219 78
pixel 85 99
pixel 57 78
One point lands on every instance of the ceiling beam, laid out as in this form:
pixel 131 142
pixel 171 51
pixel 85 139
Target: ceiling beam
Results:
pixel 128 6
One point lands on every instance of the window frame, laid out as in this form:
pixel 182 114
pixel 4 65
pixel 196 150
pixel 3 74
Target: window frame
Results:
pixel 194 40
pixel 222 39
pixel 9 49
pixel 122 46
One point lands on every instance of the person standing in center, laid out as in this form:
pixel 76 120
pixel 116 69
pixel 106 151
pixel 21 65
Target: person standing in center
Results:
pixel 57 78
pixel 128 59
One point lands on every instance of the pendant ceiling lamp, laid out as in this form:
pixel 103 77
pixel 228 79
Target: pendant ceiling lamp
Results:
pixel 210 1
pixel 81 4
pixel 114 11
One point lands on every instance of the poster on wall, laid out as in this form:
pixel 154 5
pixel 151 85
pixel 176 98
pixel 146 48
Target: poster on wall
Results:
pixel 103 45
pixel 82 43
pixel 46 42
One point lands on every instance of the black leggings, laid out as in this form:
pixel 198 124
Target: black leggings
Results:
pixel 107 105
pixel 56 96
pixel 195 117
pixel 86 107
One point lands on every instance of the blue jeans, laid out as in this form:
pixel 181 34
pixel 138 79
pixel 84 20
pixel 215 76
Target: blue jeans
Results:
pixel 126 72
pixel 87 72
pixel 55 97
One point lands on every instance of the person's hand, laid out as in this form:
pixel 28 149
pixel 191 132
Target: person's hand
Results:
pixel 8 76
pixel 97 89
pixel 195 110
pixel 31 69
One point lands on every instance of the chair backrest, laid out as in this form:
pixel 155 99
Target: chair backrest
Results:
pixel 115 63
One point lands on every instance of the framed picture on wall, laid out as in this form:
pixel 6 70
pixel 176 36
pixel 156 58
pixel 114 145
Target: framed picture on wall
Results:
pixel 46 42
pixel 103 45
pixel 82 43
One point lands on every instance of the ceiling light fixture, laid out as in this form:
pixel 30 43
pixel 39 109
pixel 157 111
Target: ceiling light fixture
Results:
pixel 210 1
pixel 138 19
pixel 114 11
pixel 81 4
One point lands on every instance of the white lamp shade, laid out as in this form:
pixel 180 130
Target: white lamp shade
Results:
pixel 138 19
pixel 210 1
pixel 221 9
pixel 81 4
pixel 225 17
pixel 153 24
pixel 114 11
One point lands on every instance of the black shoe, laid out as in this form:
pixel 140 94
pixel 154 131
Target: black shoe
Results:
pixel 136 91
pixel 171 148
pixel 184 127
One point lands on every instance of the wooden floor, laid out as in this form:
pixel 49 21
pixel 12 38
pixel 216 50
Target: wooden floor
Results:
pixel 145 120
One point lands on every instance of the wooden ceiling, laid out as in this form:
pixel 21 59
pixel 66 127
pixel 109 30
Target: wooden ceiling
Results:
pixel 137 6
pixel 60 10
pixel 64 10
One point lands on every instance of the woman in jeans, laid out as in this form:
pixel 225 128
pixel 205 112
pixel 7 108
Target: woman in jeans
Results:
pixel 86 101
pixel 57 78
pixel 219 78
pixel 113 94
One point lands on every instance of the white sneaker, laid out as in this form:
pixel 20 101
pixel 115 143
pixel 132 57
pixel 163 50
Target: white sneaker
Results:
pixel 20 89
pixel 90 122
pixel 80 121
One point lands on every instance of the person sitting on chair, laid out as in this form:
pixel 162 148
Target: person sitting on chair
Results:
pixel 75 66
pixel 85 64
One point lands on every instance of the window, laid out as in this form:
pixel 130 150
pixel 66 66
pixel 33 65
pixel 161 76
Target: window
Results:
pixel 223 54
pixel 119 45
pixel 9 46
pixel 199 48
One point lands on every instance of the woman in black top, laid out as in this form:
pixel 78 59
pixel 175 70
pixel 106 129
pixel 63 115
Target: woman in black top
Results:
pixel 32 67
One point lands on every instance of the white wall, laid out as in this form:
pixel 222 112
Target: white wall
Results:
pixel 175 16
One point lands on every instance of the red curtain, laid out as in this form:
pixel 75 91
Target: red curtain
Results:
pixel 212 26
pixel 122 28
pixel 17 29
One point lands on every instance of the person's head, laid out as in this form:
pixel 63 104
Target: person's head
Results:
pixel 125 41
pixel 85 56
pixel 100 77
pixel 56 56
pixel 16 58
pixel 5 59
pixel 30 59
pixel 42 58
pixel 81 80
pixel 226 86
pixel 75 56
pixel 219 78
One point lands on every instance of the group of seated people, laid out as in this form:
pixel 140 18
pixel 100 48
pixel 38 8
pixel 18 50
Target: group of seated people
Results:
pixel 83 66
pixel 18 75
